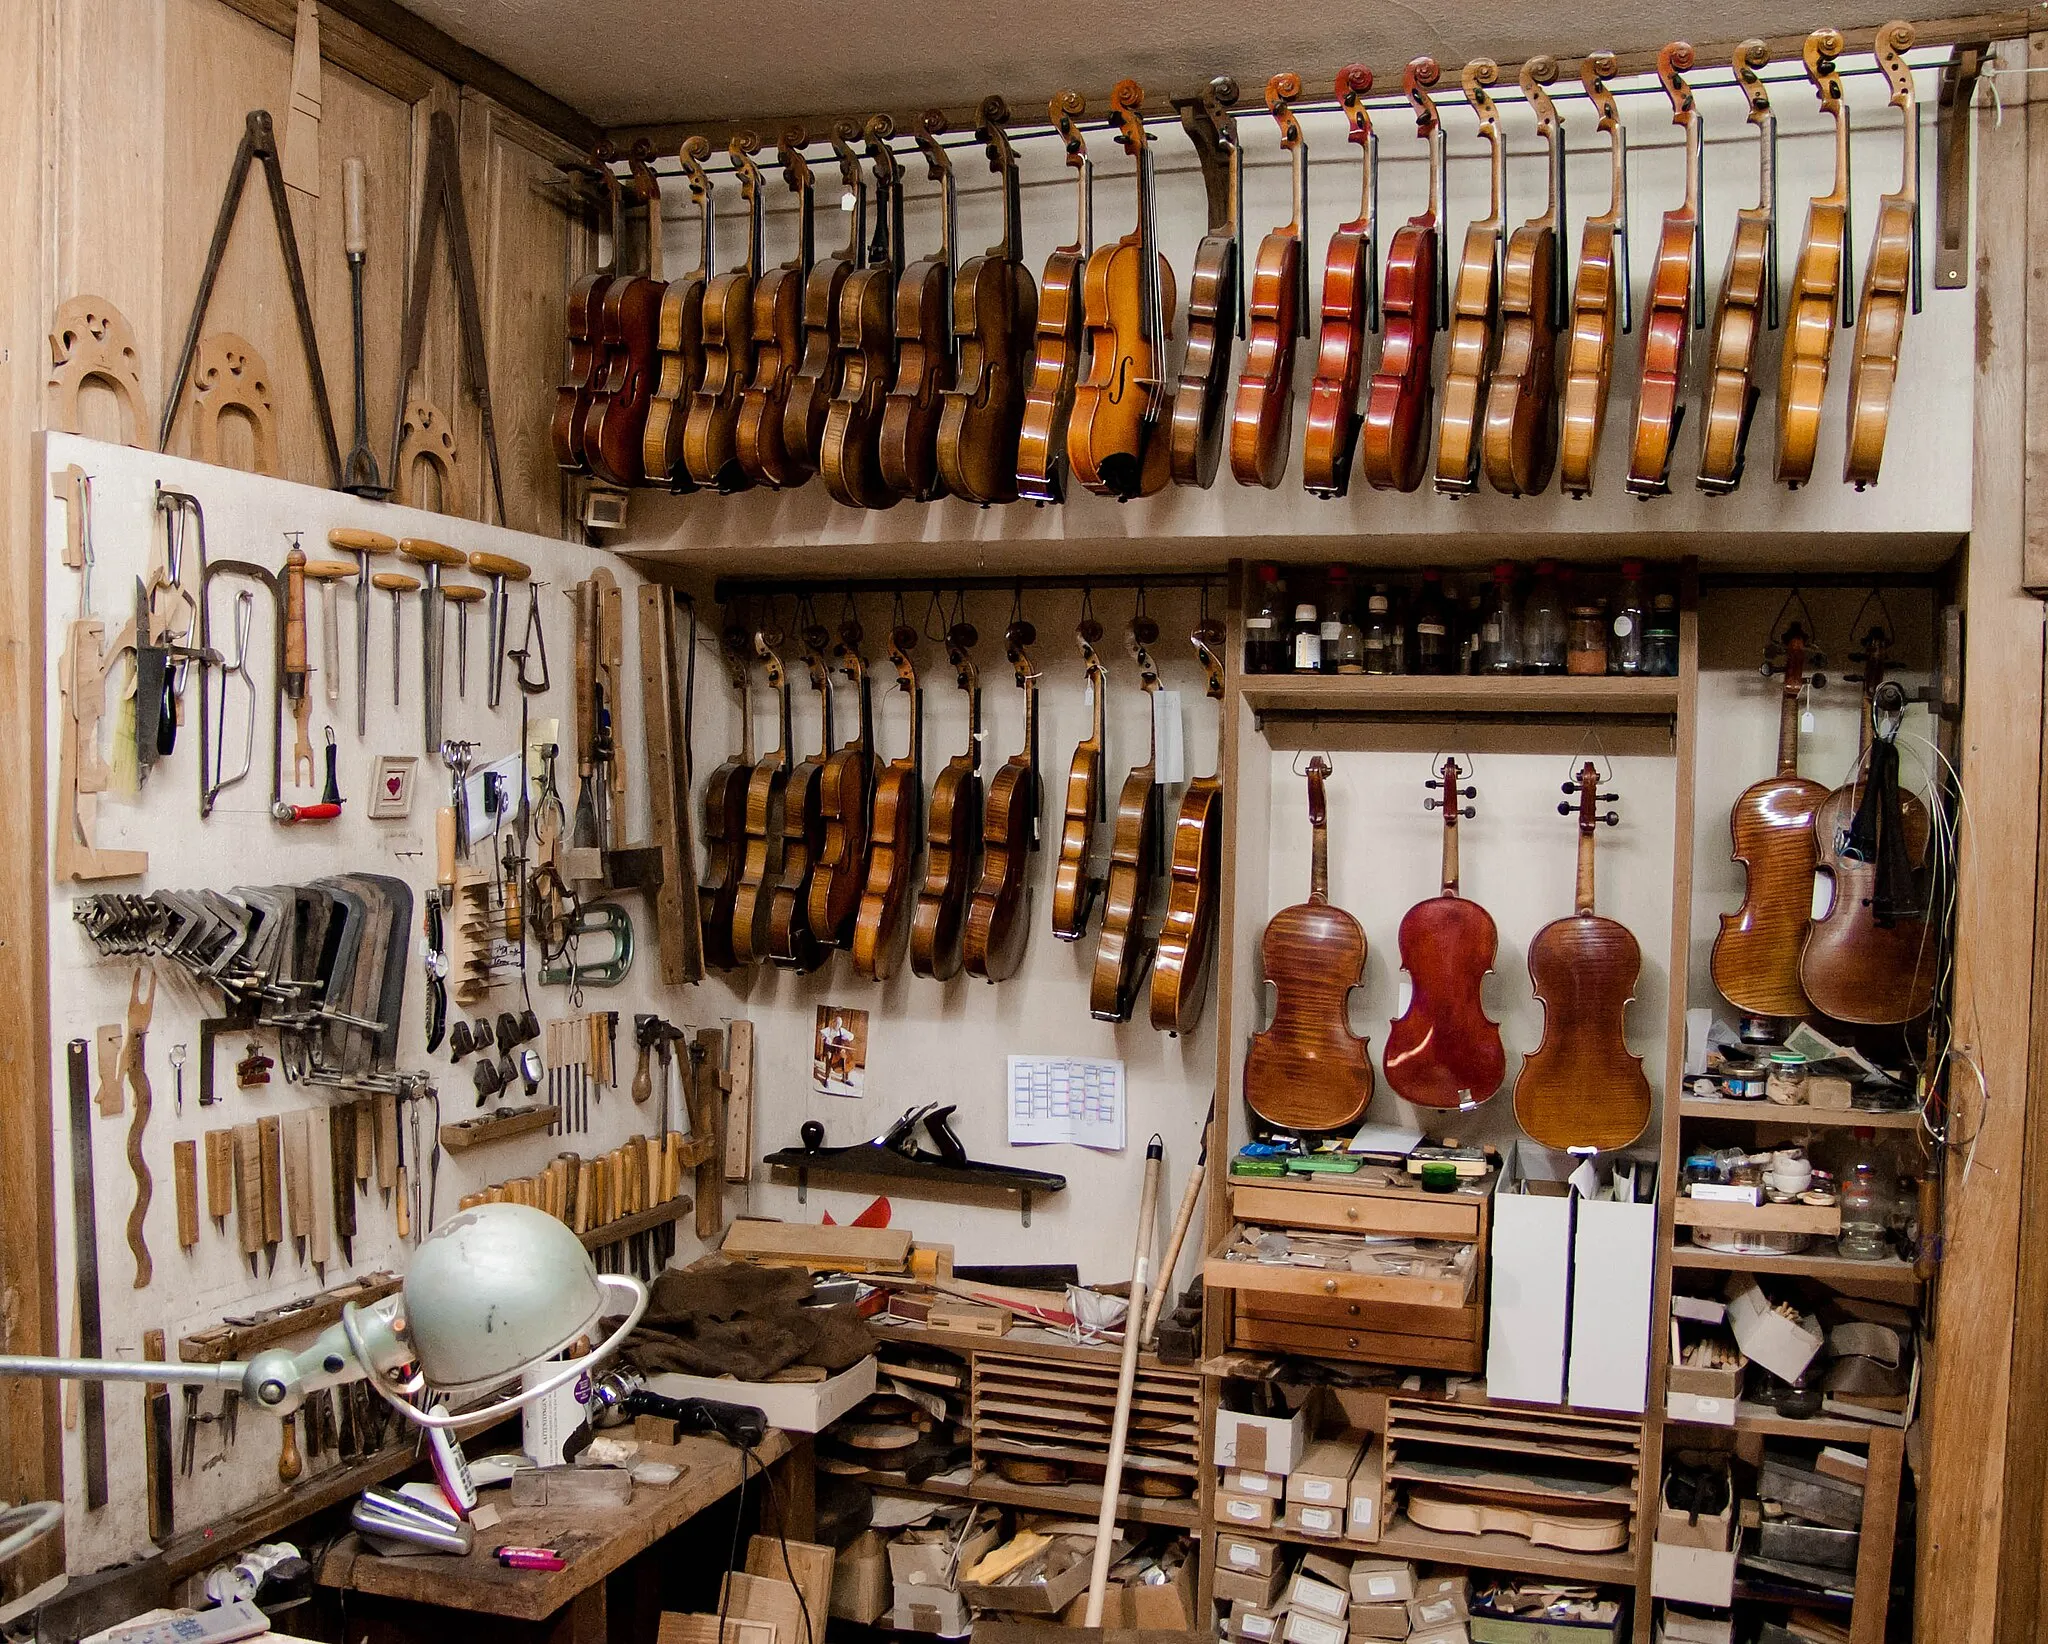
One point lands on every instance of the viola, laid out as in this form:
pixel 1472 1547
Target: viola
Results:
pixel 1074 888
pixel 1820 281
pixel 1756 953
pixel 1475 305
pixel 849 451
pixel 1201 393
pixel 1187 936
pixel 778 339
pixel 1060 342
pixel 711 426
pixel 1351 304
pixel 1128 301
pixel 681 339
pixel 791 943
pixel 629 332
pixel 999 911
pixel 1262 418
pixel 995 310
pixel 952 832
pixel 1519 447
pixel 725 823
pixel 586 297
pixel 1749 296
pixel 1445 1051
pixel 1306 1070
pixel 883 923
pixel 1393 447
pixel 766 786
pixel 1601 297
pixel 924 343
pixel 843 797
pixel 1891 277
pixel 818 366
pixel 1582 1087
pixel 1122 951
pixel 1676 287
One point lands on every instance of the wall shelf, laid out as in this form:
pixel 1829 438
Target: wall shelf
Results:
pixel 1770 1113
pixel 1891 1273
pixel 1513 696
pixel 1491 1551
pixel 1075 1500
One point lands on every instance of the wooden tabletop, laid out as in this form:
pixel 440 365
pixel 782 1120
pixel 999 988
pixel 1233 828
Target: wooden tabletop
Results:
pixel 593 1541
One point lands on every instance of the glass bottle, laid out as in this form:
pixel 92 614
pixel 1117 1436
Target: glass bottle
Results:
pixel 1382 635
pixel 1307 657
pixel 1343 639
pixel 1500 635
pixel 1586 650
pixel 1660 647
pixel 1866 1203
pixel 1434 650
pixel 1627 644
pixel 1543 625
pixel 1471 606
pixel 1265 629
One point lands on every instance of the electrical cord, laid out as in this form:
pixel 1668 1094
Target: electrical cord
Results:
pixel 749 1454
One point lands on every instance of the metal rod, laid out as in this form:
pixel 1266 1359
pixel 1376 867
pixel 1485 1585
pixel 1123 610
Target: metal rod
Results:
pixel 728 589
pixel 220 1375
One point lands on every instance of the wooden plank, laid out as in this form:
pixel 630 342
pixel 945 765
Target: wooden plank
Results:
pixel 855 1249
pixel 1868 1621
pixel 1757 1218
pixel 676 918
pixel 739 1100
pixel 707 1126
pixel 811 1565
pixel 225 1342
pixel 1797 1118
pixel 2033 383
pixel 1486 695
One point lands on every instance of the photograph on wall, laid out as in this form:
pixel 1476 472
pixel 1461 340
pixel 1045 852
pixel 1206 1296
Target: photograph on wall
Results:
pixel 839 1058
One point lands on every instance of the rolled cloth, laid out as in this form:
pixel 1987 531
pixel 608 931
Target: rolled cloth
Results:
pixel 738 1319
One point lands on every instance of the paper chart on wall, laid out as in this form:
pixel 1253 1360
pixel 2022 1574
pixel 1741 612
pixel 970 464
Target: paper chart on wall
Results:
pixel 1077 1099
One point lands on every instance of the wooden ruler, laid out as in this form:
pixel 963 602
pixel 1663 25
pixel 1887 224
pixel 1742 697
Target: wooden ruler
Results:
pixel 86 1239
pixel 739 1100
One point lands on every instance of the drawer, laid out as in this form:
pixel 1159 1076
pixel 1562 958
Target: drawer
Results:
pixel 1420 1215
pixel 1327 1342
pixel 1454 1289
pixel 1384 1318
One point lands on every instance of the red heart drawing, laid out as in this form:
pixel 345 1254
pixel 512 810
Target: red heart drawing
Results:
pixel 394 785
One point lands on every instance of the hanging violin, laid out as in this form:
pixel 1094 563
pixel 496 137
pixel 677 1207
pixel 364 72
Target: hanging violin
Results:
pixel 1061 339
pixel 1676 287
pixel 766 786
pixel 629 332
pixel 1351 310
pixel 999 912
pixel 711 428
pixel 1601 297
pixel 1820 282
pixel 1262 419
pixel 1749 295
pixel 1201 395
pixel 791 942
pixel 681 338
pixel 953 832
pixel 849 450
pixel 1475 305
pixel 1519 447
pixel 817 372
pixel 1394 445
pixel 1187 936
pixel 883 922
pixel 1891 277
pixel 725 820
pixel 778 338
pixel 586 356
pixel 924 342
pixel 1074 887
pixel 1122 951
pixel 844 794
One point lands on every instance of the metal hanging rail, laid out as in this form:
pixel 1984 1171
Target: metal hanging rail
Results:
pixel 727 589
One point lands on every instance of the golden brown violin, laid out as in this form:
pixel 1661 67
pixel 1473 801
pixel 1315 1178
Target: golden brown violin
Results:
pixel 1820 282
pixel 953 832
pixel 1351 311
pixel 849 451
pixel 681 339
pixel 1445 1051
pixel 766 786
pixel 1187 937
pixel 711 426
pixel 883 922
pixel 1060 343
pixel 924 343
pixel 1749 296
pixel 817 372
pixel 999 911
pixel 1262 417
pixel 1306 1070
pixel 725 822
pixel 1519 446
pixel 1201 394
pixel 1601 298
pixel 1393 447
pixel 1074 885
pixel 1891 277
pixel 791 943
pixel 843 797
pixel 1582 1087
pixel 778 338
pixel 629 332
pixel 1677 287
pixel 1475 305
pixel 995 311
pixel 1128 301
pixel 1756 953
pixel 1123 951
pixel 586 356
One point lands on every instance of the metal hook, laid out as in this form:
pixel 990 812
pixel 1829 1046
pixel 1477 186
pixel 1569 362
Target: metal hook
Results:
pixel 935 608
pixel 1295 764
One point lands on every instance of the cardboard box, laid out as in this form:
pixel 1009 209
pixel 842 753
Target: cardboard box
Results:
pixel 1692 1575
pixel 1255 1623
pixel 1304 1628
pixel 1241 1481
pixel 937 1610
pixel 1715 1535
pixel 1528 1287
pixel 1379 1620
pixel 1504 1629
pixel 1245 1554
pixel 1773 1341
pixel 1260 1444
pixel 1249 1587
pixel 1382 1581
pixel 1044 1584
pixel 1451 1632
pixel 1143 1606
pixel 1695 1395
pixel 1307 1519
pixel 1367 1485
pixel 1439 1601
pixel 1334 1572
pixel 1323 1475
pixel 794 1406
pixel 1677 1627
pixel 1614 1260
pixel 860 1579
pixel 1253 1512
pixel 1310 1594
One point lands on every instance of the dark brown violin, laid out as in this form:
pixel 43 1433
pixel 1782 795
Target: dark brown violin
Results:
pixel 790 942
pixel 924 343
pixel 1393 447
pixel 1306 1070
pixel 681 339
pixel 586 357
pixel 1187 938
pixel 953 832
pixel 711 427
pixel 843 799
pixel 1351 311
pixel 1519 445
pixel 778 337
pixel 1061 341
pixel 1074 887
pixel 1583 1087
pixel 1677 299
pixel 999 912
pixel 883 922
pixel 1445 1051
pixel 849 451
pixel 1123 950
pixel 1262 418
pixel 1215 290
pixel 629 332
pixel 725 822
pixel 766 786
pixel 817 372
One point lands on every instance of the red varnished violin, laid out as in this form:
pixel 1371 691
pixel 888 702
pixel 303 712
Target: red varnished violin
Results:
pixel 1394 447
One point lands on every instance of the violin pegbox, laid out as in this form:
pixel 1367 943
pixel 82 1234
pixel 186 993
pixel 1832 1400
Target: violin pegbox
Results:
pixel 1445 782
pixel 1586 787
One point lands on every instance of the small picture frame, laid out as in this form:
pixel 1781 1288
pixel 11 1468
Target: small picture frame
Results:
pixel 391 777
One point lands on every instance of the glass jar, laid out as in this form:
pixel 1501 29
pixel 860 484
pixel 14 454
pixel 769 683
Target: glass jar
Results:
pixel 1865 1200
pixel 1660 644
pixel 1343 639
pixel 1628 636
pixel 1500 632
pixel 1785 1078
pixel 1587 650
pixel 1266 649
pixel 1433 648
pixel 1382 635
pixel 1307 650
pixel 1543 636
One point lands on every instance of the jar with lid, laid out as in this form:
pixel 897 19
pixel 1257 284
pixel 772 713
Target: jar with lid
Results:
pixel 1628 635
pixel 1660 643
pixel 1587 652
pixel 1433 648
pixel 1266 647
pixel 1343 639
pixel 1785 1078
pixel 1382 633
pixel 1543 625
pixel 1866 1202
pixel 1306 653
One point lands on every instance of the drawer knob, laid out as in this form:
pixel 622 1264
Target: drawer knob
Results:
pixel 1354 1310
pixel 1351 1341
pixel 1330 1287
pixel 1351 1212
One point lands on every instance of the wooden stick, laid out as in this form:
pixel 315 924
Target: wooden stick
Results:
pixel 1126 1382
pixel 1190 1196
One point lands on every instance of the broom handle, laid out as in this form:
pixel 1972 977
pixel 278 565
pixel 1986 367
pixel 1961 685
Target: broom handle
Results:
pixel 1182 1221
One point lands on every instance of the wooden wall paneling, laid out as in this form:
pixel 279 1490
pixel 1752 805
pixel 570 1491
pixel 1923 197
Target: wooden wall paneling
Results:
pixel 438 377
pixel 2035 202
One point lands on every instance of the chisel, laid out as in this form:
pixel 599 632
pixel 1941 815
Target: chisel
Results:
pixel 363 544
pixel 296 669
pixel 341 1162
pixel 319 1228
pixel 431 557
pixel 327 572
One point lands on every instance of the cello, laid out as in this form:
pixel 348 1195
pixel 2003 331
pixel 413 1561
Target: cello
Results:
pixel 778 338
pixel 1519 445
pixel 711 426
pixel 765 820
pixel 1074 888
pixel 999 911
pixel 1445 1051
pixel 1475 305
pixel 1756 952
pixel 1351 310
pixel 1306 1070
pixel 1122 951
pixel 953 831
pixel 1601 298
pixel 681 339
pixel 817 372
pixel 849 451
pixel 1393 447
pixel 725 821
pixel 1215 294
pixel 995 311
pixel 586 357
pixel 1187 937
pixel 1820 282
pixel 1582 1087
pixel 883 922
pixel 844 794
pixel 1891 277
pixel 629 331
pixel 1677 285
pixel 924 343
pixel 1262 418
pixel 1749 296
pixel 791 944
pixel 1060 342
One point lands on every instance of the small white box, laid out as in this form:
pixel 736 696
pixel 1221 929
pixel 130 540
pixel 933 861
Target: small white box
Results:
pixel 1303 1628
pixel 1692 1575
pixel 1775 1342
pixel 1260 1444
pixel 1529 1289
pixel 1614 1261
pixel 794 1406
pixel 1318 1598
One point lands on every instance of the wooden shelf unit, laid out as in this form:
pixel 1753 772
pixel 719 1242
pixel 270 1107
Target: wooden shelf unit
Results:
pixel 1889 1275
pixel 1071 1500
pixel 1793 1118
pixel 1557 696
pixel 1491 1551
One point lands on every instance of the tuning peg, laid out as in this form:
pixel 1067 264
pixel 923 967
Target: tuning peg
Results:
pixel 1468 813
pixel 1432 804
pixel 1606 798
pixel 1567 787
pixel 1612 817
pixel 1566 810
pixel 1431 783
pixel 1468 793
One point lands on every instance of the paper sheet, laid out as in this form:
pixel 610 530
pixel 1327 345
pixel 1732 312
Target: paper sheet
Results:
pixel 1075 1099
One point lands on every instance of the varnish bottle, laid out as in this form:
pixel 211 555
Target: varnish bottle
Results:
pixel 1308 639
pixel 1434 650
pixel 1265 631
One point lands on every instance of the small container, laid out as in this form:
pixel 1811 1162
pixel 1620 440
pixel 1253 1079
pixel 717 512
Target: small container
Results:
pixel 1307 655
pixel 1500 630
pixel 1660 645
pixel 1439 1177
pixel 1586 652
pixel 1742 1080
pixel 1543 624
pixel 1785 1078
pixel 1382 633
pixel 1866 1203
pixel 1628 640
pixel 1265 625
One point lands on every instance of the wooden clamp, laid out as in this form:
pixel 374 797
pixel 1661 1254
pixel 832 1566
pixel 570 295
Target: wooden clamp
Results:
pixel 70 486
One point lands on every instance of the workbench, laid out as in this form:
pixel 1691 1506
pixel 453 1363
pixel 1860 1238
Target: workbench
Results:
pixel 401 1600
